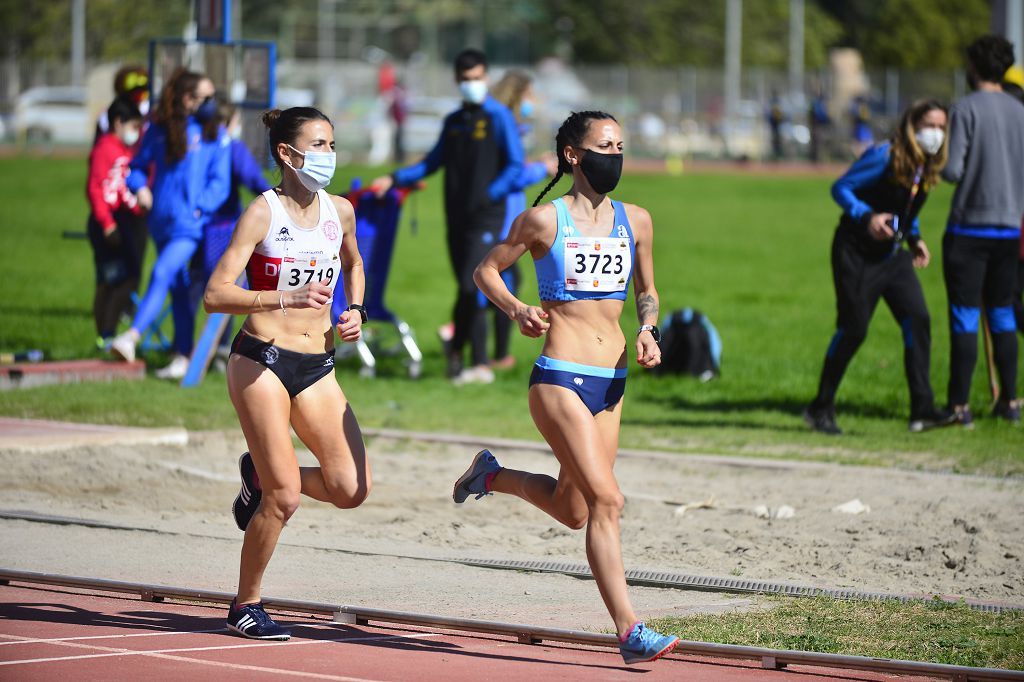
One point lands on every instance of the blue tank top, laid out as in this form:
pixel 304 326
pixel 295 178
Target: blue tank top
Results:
pixel 551 275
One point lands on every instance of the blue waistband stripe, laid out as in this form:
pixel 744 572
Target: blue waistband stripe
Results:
pixel 544 362
pixel 984 231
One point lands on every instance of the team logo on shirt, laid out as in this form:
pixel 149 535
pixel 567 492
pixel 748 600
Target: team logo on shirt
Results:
pixel 284 235
pixel 622 231
pixel 270 355
pixel 331 230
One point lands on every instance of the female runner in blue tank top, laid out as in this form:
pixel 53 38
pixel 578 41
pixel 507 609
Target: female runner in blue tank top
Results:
pixel 586 248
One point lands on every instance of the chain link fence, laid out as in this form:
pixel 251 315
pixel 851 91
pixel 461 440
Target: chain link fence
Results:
pixel 667 113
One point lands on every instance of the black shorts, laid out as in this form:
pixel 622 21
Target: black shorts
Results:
pixel 297 371
pixel 116 264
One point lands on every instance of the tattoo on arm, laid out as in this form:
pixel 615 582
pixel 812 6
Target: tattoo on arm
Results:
pixel 646 307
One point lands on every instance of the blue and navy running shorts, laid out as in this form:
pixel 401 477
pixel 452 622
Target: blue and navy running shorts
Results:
pixel 598 387
pixel 297 371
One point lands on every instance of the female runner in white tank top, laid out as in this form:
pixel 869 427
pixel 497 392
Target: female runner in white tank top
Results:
pixel 586 248
pixel 294 242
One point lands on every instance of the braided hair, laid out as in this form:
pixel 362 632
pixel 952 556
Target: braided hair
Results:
pixel 571 133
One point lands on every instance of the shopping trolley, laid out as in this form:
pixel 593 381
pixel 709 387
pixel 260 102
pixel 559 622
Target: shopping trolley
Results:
pixel 376 227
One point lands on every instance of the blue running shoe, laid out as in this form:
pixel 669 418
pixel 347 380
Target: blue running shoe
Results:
pixel 248 499
pixel 643 644
pixel 473 481
pixel 250 620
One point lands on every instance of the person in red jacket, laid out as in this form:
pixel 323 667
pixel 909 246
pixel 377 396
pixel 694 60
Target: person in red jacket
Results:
pixel 116 228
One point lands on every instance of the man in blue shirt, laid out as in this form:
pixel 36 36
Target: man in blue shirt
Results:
pixel 482 154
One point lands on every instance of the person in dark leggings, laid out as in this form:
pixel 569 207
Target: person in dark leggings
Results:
pixel 881 195
pixel 480 150
pixel 981 246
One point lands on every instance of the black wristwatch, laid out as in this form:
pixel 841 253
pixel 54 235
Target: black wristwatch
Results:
pixel 653 329
pixel 361 309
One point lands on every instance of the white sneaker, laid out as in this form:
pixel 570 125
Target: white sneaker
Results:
pixel 480 374
pixel 220 360
pixel 175 370
pixel 123 346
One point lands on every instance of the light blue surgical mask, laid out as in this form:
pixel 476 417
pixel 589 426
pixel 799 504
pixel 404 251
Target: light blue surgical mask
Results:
pixel 526 108
pixel 317 169
pixel 473 92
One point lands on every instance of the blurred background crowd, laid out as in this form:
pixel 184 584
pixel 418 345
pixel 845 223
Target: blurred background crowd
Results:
pixel 772 79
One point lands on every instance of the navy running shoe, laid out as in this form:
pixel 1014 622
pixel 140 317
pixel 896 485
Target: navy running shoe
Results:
pixel 643 644
pixel 248 499
pixel 474 481
pixel 250 620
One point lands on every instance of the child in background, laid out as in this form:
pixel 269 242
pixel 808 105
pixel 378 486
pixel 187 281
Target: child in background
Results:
pixel 116 227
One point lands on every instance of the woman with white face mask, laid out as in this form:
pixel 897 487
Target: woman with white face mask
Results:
pixel 294 243
pixel 881 195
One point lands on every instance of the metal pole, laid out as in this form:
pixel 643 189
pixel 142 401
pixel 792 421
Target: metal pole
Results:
pixel 325 31
pixel 1015 28
pixel 78 42
pixel 796 49
pixel 733 47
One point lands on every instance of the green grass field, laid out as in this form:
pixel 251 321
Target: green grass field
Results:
pixel 750 251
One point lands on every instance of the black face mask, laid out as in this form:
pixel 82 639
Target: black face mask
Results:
pixel 207 110
pixel 602 171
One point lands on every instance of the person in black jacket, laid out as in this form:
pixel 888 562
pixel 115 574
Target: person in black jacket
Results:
pixel 480 150
pixel 881 195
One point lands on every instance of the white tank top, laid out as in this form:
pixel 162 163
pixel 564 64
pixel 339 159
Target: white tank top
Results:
pixel 290 257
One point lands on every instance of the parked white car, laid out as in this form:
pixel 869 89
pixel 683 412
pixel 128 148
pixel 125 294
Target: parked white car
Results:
pixel 52 114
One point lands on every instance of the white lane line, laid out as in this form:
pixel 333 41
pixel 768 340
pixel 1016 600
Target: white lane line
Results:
pixel 111 636
pixel 110 652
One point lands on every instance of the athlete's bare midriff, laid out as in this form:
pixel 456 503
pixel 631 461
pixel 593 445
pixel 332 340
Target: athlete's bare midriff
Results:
pixel 586 332
pixel 302 330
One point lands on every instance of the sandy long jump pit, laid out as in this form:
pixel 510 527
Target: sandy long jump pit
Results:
pixel 164 516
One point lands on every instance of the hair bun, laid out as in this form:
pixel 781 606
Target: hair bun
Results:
pixel 269 118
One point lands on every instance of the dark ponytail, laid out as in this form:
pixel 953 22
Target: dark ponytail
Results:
pixel 571 133
pixel 171 113
pixel 284 126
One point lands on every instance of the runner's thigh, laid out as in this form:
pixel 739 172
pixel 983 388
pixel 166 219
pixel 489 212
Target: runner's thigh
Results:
pixel 263 407
pixel 323 419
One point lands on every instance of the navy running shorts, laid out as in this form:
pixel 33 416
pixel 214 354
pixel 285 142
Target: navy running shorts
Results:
pixel 598 387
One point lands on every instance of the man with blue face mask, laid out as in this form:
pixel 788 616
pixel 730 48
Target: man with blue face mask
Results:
pixel 479 148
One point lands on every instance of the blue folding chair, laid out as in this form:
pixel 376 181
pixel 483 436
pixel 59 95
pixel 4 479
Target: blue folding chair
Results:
pixel 377 221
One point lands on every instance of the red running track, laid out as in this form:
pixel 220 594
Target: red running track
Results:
pixel 65 634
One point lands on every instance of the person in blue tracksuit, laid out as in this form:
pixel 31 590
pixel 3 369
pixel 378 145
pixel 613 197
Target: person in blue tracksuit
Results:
pixel 480 150
pixel 191 175
pixel 980 246
pixel 515 92
pixel 881 195
pixel 246 173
